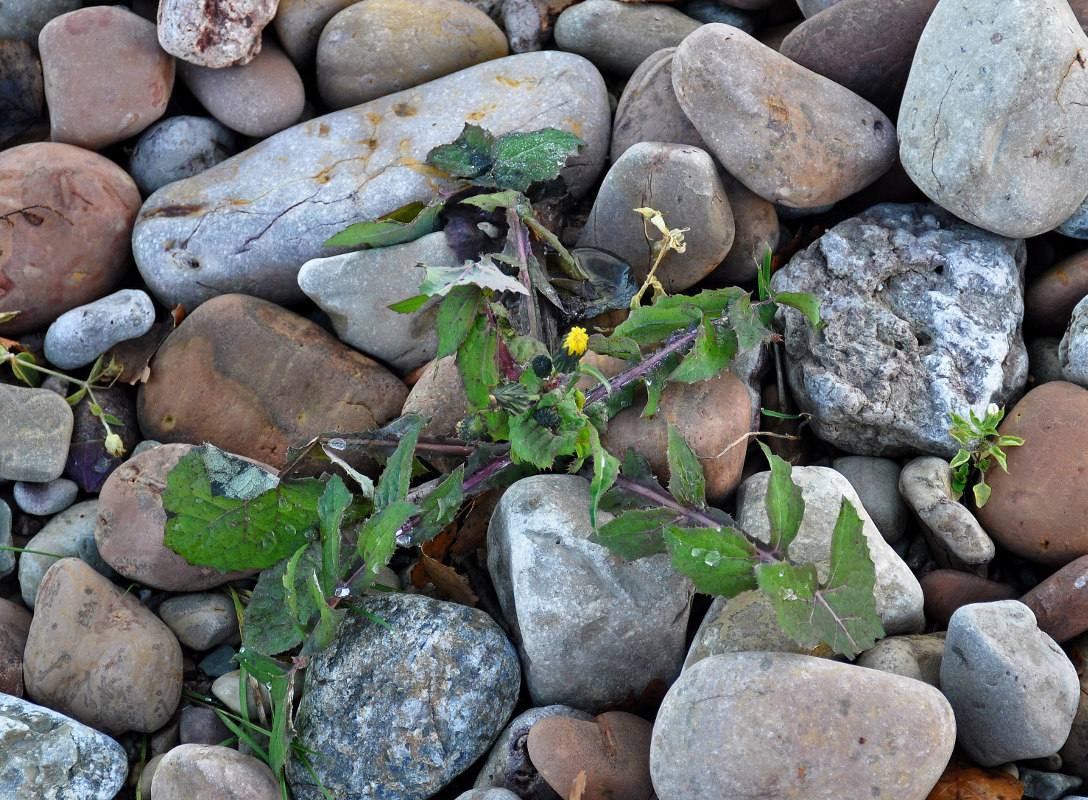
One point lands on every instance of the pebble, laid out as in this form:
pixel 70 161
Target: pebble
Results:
pixel 44 499
pixel 249 223
pixel 1013 689
pixel 757 233
pixel 791 136
pixel 508 765
pixel 360 55
pixel 89 464
pixel 1047 785
pixel 682 183
pixel 487 794
pixel 529 24
pixel 214 773
pixel 227 690
pixel 398 712
pixel 1044 365
pixel 106 79
pixel 787 725
pixel 59 537
pixel 966 138
pixel 897 592
pixel 876 480
pixel 1037 508
pixel 710 415
pixel 1076 226
pixel 201 725
pixel 714 11
pixel 557 589
pixel 202 620
pixel 14 627
pixel 605 758
pixel 23 91
pixel 1050 298
pixel 356 290
pixel 922 316
pixel 1074 753
pixel 95 653
pixel 955 538
pixel 73 214
pixel 216 33
pixel 78 337
pixel 203 387
pixel 439 396
pixel 946 590
pixel 258 98
pixel 24 19
pixel 299 23
pixel 7 557
pixel 50 755
pixel 744 623
pixel 963 780
pixel 1060 602
pixel 618 36
pixel 218 662
pixel 918 657
pixel 1073 348
pixel 176 148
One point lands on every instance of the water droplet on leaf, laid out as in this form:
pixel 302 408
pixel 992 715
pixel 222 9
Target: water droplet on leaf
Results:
pixel 712 558
pixel 338 444
pixel 697 552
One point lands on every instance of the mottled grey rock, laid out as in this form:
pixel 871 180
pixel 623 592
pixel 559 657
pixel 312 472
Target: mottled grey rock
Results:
pixel 81 335
pixel 395 714
pixel 60 536
pixel 356 290
pixel 36 428
pixel 508 765
pixel 1047 785
pixel 43 499
pixel 918 657
pixel 715 11
pixel 1076 226
pixel 1073 349
pixel 590 627
pixel 955 537
pixel 49 755
pixel 1013 689
pixel 24 19
pixel 682 183
pixel 922 315
pixel 876 480
pixel 209 771
pixel 751 726
pixel 200 620
pixel 249 223
pixel 745 623
pixel 488 794
pixel 7 557
pixel 993 124
pixel 214 33
pixel 897 592
pixel 618 36
pixel 177 148
pixel 1044 363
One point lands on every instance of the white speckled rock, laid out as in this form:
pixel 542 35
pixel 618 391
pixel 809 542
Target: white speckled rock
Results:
pixel 1073 349
pixel 214 33
pixel 78 337
pixel 249 223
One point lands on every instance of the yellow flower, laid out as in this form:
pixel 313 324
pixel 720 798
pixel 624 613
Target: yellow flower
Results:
pixel 576 342
pixel 114 446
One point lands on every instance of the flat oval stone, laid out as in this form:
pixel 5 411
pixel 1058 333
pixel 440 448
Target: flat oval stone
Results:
pixel 36 427
pixel 214 33
pixel 990 133
pixel 44 499
pixel 360 55
pixel 200 620
pixel 299 23
pixel 209 770
pixel 1060 602
pixel 106 78
pixel 177 148
pixel 1050 299
pixel 24 19
pixel 791 136
pixel 248 224
pixel 794 727
pixel 204 387
pixel 69 214
pixel 78 337
pixel 95 653
pixel 60 537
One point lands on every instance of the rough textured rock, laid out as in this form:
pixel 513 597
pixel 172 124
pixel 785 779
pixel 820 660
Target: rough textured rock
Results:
pixel 360 55
pixel 60 537
pixel 36 427
pixel 207 770
pixel 215 33
pixel 49 755
pixel 248 224
pixel 590 627
pixel 791 136
pixel 96 653
pixel 67 212
pixel 400 712
pixel 1049 299
pixel 791 727
pixel 992 125
pixel 1073 348
pixel 14 627
pixel 897 593
pixel 918 657
pixel 178 148
pixel 204 387
pixel 744 623
pixel 682 183
pixel 1038 508
pixel 1013 689
pixel 922 316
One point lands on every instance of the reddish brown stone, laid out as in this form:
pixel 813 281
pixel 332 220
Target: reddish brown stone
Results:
pixel 1039 509
pixel 1049 300
pixel 254 379
pixel 14 627
pixel 1060 603
pixel 756 224
pixel 962 781
pixel 65 220
pixel 945 590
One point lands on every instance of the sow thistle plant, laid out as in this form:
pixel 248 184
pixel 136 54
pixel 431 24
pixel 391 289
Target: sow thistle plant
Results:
pixel 981 449
pixel 514 321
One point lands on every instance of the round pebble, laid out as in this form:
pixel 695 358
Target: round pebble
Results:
pixel 43 499
pixel 81 335
pixel 176 148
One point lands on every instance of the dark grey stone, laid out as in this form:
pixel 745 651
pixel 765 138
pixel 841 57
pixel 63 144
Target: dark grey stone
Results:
pixel 1039 785
pixel 36 429
pixel 178 147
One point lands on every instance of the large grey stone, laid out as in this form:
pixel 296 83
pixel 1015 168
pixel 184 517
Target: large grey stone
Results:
pixel 591 628
pixel 753 726
pixel 897 592
pixel 356 290
pixel 394 713
pixel 36 429
pixel 1014 691
pixel 248 224
pixel 993 124
pixel 50 756
pixel 922 315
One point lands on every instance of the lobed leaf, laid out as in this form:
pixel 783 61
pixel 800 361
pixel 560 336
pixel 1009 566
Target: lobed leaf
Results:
pixel 440 506
pixel 455 318
pixel 397 475
pixel 378 540
pixel 521 159
pixel 686 480
pixel 712 353
pixel 482 272
pixel 718 560
pixel 265 626
pixel 637 533
pixel 494 200
pixel 784 502
pixel 468 156
pixel 803 302
pixel 403 225
pixel 477 364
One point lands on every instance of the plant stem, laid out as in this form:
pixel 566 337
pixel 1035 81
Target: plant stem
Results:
pixel 521 242
pixel 675 343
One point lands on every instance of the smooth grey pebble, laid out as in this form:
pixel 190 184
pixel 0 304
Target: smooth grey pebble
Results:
pixel 81 335
pixel 44 499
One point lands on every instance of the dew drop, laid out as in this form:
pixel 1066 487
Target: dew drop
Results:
pixel 697 552
pixel 337 444
pixel 712 558
pixel 342 591
pixel 1079 582
pixel 290 529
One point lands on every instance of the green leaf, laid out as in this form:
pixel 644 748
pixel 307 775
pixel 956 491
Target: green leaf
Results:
pixel 278 682
pixel 476 360
pixel 841 612
pixel 378 540
pixel 712 302
pixel 534 444
pixel 440 506
pixel 637 533
pixel 328 620
pixel 747 325
pixel 483 272
pixel 606 468
pixel 686 480
pixel 330 511
pixel 494 200
pixel 30 377
pixel 265 626
pixel 290 594
pixel 784 502
pixel 468 156
pixel 409 305
pixel 112 420
pixel 712 353
pixel 982 494
pixel 803 302
pixel 615 346
pixel 767 412
pixel 455 318
pixel 652 324
pixel 655 381
pixel 8 316
pixel 73 399
pixel 1010 441
pixel 521 159
pixel 235 516
pixel 962 457
pixel 763 275
pixel 718 561
pixel 393 228
pixel 397 475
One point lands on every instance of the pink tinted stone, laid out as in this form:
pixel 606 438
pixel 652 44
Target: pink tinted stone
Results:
pixel 214 33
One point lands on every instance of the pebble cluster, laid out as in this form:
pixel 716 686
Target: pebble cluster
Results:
pixel 169 174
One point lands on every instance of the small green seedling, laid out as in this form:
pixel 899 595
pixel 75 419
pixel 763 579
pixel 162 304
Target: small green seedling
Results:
pixel 981 447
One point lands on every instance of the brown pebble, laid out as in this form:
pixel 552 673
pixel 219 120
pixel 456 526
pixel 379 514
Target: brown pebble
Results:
pixel 1060 603
pixel 1049 300
pixel 945 590
pixel 14 627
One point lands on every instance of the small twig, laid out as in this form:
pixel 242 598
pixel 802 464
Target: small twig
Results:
pixel 750 434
